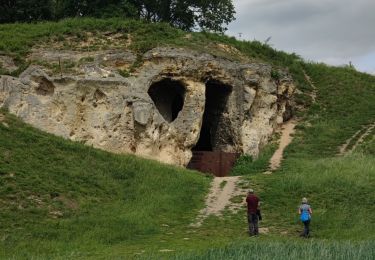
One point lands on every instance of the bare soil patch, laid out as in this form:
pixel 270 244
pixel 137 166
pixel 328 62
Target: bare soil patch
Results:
pixel 360 140
pixel 343 149
pixel 223 189
pixel 359 136
pixel 314 92
pixel 285 140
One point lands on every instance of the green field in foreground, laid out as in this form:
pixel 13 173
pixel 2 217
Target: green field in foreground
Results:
pixel 60 199
pixel 288 250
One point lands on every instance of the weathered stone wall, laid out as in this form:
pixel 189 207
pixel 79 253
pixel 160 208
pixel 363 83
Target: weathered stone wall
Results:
pixel 116 114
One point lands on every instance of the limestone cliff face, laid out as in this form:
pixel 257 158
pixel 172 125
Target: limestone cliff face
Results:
pixel 177 100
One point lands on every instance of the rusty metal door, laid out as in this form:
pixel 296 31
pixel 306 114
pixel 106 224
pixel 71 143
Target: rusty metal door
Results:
pixel 216 163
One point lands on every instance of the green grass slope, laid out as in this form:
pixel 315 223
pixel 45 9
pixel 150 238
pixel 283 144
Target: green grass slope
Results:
pixel 340 188
pixel 60 198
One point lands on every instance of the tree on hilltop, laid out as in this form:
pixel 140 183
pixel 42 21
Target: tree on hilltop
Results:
pixel 188 14
pixel 95 8
pixel 211 15
pixel 25 10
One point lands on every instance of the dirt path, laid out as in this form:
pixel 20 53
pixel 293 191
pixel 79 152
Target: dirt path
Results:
pixel 344 149
pixel 314 92
pixel 363 136
pixel 285 140
pixel 288 130
pixel 222 190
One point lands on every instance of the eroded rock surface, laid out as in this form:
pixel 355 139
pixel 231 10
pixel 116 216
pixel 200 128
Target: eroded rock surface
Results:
pixel 203 103
pixel 7 64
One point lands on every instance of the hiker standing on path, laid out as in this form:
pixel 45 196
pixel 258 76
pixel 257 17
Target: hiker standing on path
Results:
pixel 305 212
pixel 252 212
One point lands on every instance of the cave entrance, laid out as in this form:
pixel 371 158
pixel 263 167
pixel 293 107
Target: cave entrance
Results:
pixel 217 95
pixel 208 155
pixel 168 96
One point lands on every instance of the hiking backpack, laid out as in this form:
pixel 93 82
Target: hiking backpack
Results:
pixel 305 216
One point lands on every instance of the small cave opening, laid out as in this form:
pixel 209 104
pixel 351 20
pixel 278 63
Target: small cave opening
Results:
pixel 168 96
pixel 217 95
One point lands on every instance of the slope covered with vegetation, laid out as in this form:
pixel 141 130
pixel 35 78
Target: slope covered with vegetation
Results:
pixel 339 186
pixel 63 199
pixel 60 197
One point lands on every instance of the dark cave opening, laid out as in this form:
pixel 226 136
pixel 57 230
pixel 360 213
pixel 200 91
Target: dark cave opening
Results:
pixel 217 95
pixel 168 96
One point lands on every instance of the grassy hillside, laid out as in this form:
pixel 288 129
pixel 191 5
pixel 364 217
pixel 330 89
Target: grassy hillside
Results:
pixel 345 103
pixel 60 199
pixel 339 187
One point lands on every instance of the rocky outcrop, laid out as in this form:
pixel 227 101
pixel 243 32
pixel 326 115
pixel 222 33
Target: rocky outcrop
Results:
pixel 176 101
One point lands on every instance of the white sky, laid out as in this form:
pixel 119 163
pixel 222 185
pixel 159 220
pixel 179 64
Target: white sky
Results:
pixel 332 31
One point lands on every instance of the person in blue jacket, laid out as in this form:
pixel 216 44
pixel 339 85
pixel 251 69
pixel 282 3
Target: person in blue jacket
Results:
pixel 305 212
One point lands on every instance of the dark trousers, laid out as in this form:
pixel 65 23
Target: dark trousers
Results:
pixel 306 230
pixel 252 219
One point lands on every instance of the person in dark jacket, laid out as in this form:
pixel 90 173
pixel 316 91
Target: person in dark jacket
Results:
pixel 252 212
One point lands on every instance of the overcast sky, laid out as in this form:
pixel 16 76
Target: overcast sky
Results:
pixel 332 31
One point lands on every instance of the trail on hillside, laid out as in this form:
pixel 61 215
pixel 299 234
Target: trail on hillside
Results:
pixel 287 131
pixel 222 190
pixel 363 136
pixel 314 92
pixel 345 149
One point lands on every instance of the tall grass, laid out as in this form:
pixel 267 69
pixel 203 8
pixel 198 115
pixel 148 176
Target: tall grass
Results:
pixel 288 250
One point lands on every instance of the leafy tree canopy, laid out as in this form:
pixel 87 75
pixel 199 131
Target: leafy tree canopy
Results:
pixel 25 10
pixel 211 15
pixel 187 14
